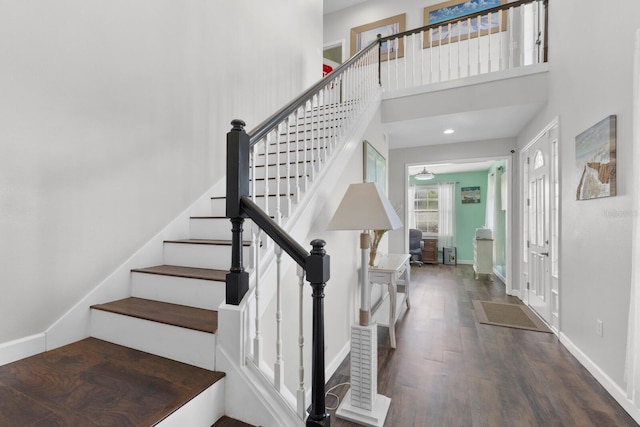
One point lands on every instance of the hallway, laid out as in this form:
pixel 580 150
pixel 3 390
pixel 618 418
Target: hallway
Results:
pixel 449 370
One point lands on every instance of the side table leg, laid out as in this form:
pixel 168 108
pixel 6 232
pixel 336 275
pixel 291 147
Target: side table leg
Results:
pixel 393 287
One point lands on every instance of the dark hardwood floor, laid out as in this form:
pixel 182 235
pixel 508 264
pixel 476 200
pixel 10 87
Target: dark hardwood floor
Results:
pixel 449 370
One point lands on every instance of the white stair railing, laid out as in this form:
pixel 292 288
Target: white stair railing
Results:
pixel 285 162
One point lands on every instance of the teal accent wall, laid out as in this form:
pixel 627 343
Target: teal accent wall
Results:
pixel 468 216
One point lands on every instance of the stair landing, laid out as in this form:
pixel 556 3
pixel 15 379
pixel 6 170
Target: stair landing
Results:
pixel 96 383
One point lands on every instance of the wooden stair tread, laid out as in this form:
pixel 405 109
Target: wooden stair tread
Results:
pixel 206 242
pixel 95 383
pixel 183 316
pixel 230 422
pixel 188 272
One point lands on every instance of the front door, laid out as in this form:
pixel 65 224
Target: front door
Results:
pixel 538 219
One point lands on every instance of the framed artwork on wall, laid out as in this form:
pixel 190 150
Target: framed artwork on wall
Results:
pixel 375 166
pixel 465 29
pixel 363 35
pixel 596 160
pixel 470 195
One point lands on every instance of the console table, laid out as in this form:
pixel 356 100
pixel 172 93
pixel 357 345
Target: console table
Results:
pixel 392 270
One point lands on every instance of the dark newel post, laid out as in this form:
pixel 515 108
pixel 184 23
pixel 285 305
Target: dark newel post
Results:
pixel 237 280
pixel 317 275
pixel 379 60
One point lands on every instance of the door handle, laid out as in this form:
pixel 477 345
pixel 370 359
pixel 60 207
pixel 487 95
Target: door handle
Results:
pixel 544 253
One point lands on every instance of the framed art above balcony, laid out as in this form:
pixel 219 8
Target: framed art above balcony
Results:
pixel 465 29
pixel 363 35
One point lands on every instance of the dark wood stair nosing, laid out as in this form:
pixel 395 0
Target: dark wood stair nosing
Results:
pixel 183 316
pixel 210 274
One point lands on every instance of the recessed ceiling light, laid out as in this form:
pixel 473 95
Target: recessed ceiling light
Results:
pixel 448 131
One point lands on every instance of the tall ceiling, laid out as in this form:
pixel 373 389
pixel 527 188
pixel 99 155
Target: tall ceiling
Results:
pixel 331 6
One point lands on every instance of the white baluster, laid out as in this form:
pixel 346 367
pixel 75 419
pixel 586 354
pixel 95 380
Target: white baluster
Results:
pixel 430 55
pixel 479 22
pixel 510 30
pixel 500 57
pixel 278 367
pixel 301 392
pixel 270 137
pixel 257 340
pixel 422 57
pixel 468 47
pixel 450 28
pixel 489 18
pixel 288 201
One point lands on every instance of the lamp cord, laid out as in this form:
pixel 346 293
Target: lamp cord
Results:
pixel 328 393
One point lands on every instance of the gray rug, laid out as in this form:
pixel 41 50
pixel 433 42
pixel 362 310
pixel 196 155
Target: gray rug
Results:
pixel 508 315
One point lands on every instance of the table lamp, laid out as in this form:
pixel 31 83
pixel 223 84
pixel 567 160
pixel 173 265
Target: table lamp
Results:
pixel 364 207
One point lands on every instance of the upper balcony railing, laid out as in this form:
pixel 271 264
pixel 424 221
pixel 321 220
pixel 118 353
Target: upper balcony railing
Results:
pixel 509 36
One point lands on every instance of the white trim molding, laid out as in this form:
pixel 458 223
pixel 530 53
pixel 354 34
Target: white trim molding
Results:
pixel 21 348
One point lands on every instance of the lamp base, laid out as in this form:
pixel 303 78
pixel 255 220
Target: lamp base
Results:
pixel 372 418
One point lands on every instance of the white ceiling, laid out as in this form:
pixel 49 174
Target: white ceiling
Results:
pixel 331 6
pixel 494 123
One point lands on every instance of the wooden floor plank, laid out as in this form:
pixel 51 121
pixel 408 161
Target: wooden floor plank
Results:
pixel 450 370
pixel 96 383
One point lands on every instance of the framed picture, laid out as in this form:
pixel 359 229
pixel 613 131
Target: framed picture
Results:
pixel 375 166
pixel 363 35
pixel 596 160
pixel 470 195
pixel 465 29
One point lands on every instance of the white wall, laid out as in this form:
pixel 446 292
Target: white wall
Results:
pixel 113 118
pixel 590 77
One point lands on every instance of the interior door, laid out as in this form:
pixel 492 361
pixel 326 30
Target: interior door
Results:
pixel 538 242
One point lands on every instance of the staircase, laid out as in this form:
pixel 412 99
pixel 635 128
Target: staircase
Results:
pixel 163 333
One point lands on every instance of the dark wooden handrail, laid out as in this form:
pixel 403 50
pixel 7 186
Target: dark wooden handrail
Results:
pixel 273 230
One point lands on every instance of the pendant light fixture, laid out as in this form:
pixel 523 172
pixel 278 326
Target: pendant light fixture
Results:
pixel 425 175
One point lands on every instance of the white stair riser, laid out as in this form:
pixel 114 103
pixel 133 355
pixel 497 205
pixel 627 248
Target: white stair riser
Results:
pixel 199 293
pixel 204 409
pixel 300 156
pixel 261 201
pixel 299 168
pixel 173 342
pixel 218 205
pixel 272 186
pixel 199 255
pixel 213 228
pixel 304 139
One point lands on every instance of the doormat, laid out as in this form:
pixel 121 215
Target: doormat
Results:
pixel 508 315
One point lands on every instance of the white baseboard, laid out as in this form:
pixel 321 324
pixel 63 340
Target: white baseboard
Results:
pixel 612 388
pixel 21 348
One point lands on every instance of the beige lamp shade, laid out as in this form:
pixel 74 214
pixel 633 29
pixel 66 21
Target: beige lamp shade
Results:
pixel 365 207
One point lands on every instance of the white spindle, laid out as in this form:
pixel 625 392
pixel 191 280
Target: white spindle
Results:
pixel 458 44
pixel 257 340
pixel 422 57
pixel 270 137
pixel 510 30
pixel 278 368
pixel 489 23
pixel 479 23
pixel 500 58
pixel 449 66
pixel 288 171
pixel 301 392
pixel 468 47
pixel 430 55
